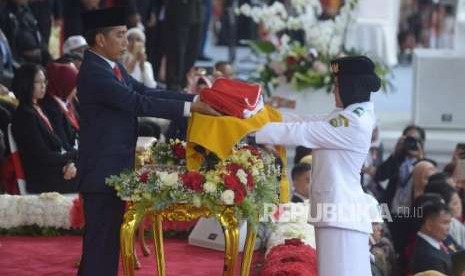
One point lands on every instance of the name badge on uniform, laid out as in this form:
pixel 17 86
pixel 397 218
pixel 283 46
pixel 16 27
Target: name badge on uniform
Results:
pixel 339 121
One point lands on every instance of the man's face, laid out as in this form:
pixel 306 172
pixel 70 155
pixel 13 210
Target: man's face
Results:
pixel 438 226
pixel 40 85
pixel 302 183
pixel 113 43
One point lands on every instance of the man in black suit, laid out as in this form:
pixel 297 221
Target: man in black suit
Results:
pixel 301 175
pixel 110 101
pixel 430 251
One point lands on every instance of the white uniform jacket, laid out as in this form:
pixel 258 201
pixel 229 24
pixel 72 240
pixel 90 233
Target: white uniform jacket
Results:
pixel 340 143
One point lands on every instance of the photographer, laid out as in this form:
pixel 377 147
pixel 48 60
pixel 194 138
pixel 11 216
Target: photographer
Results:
pixel 398 167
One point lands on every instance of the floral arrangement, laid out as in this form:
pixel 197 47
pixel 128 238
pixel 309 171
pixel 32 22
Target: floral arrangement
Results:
pixel 43 210
pixel 247 180
pixel 299 46
pixel 291 258
pixel 171 153
pixel 290 222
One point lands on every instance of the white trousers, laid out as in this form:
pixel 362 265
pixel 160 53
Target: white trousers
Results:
pixel 342 252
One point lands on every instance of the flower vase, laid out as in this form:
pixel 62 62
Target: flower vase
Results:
pixel 308 101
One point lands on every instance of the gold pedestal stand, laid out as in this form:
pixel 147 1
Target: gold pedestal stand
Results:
pixel 184 212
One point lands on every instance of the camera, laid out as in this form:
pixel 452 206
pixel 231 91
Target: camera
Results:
pixel 411 143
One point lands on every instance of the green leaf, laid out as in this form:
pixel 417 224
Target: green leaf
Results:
pixel 264 47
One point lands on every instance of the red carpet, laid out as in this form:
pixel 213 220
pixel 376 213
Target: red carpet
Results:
pixel 55 256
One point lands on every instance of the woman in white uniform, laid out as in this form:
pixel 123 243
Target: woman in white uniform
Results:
pixel 340 143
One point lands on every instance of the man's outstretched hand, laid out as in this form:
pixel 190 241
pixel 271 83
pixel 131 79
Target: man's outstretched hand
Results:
pixel 201 107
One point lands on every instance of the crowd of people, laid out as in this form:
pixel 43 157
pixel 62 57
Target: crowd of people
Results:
pixel 425 24
pixel 38 93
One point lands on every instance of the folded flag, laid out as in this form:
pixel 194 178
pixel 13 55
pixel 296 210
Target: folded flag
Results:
pixel 232 97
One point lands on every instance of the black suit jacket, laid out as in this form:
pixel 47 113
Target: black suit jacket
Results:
pixel 426 257
pixel 61 125
pixel 108 120
pixel 41 152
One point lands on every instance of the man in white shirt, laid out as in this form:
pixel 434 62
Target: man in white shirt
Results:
pixel 340 143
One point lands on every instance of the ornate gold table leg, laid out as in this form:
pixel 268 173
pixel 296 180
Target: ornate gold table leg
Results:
pixel 231 238
pixel 158 240
pixel 132 218
pixel 248 250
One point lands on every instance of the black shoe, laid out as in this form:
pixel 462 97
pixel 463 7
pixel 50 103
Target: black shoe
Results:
pixel 204 58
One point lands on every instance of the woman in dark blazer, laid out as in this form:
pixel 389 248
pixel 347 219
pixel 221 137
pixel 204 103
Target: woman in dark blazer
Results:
pixel 48 167
pixel 58 103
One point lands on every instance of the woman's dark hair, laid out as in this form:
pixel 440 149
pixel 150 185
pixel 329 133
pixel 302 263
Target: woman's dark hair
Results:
pixel 439 177
pixel 23 82
pixel 443 189
pixel 420 131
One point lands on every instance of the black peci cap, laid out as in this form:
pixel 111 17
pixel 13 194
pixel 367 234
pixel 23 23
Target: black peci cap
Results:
pixel 102 18
pixel 356 78
pixel 356 65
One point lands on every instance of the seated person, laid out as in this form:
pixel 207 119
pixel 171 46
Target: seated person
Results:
pixel 135 59
pixel 47 166
pixel 382 250
pixel 301 181
pixel 58 103
pixel 452 200
pixel 430 253
pixel 75 45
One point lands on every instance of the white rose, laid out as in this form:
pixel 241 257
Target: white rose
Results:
pixel 169 180
pixel 242 175
pixel 228 197
pixel 245 9
pixel 209 187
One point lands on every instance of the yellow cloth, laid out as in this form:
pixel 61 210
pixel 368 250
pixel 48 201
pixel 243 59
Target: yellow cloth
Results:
pixel 220 134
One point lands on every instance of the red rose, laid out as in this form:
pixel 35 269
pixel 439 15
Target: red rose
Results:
pixel 193 180
pixel 239 195
pixel 288 269
pixel 179 151
pixel 233 168
pixel 144 176
pixel 232 182
pixel 292 258
pixel 290 60
pixel 292 253
pixel 252 150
